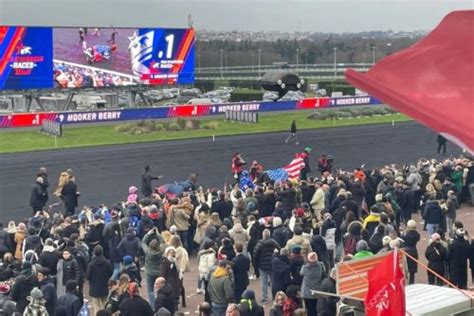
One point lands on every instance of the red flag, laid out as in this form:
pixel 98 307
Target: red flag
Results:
pixel 386 292
pixel 431 81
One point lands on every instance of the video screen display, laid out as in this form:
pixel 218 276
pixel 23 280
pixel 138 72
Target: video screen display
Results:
pixel 95 57
pixel 26 58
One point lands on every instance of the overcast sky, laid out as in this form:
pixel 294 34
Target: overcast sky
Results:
pixel 254 15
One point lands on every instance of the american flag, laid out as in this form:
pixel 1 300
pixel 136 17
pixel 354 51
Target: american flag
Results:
pixel 289 172
pixel 294 168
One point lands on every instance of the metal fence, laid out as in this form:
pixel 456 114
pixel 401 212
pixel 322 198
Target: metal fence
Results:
pixel 240 116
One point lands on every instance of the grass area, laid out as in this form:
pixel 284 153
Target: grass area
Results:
pixel 23 141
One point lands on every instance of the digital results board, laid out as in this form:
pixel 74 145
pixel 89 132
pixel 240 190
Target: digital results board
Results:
pixel 38 57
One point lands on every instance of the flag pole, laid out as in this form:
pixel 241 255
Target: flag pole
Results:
pixel 436 274
pixel 315 292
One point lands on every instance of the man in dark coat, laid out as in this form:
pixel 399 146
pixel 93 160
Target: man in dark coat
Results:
pixel 23 285
pixel 326 305
pixel 437 256
pixel 47 287
pixel 280 234
pixel 222 207
pixel 70 196
pixel 169 270
pixel 49 257
pixel 98 274
pixel 70 302
pixel 165 297
pixel 262 256
pixel 240 267
pixel 458 254
pixel 281 275
pixel 38 196
pixel 146 181
pixel 135 304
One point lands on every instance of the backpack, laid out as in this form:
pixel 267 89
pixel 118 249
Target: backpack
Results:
pixel 350 245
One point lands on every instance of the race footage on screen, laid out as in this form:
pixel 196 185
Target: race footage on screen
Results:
pixel 95 57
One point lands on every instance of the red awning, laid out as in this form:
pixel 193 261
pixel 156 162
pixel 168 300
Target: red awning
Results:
pixel 431 81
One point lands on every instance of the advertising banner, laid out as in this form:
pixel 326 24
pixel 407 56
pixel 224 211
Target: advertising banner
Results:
pixel 42 57
pixel 25 58
pixel 36 119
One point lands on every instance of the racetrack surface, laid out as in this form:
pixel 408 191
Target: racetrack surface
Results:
pixel 103 174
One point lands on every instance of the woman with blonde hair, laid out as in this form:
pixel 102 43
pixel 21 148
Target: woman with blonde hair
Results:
pixel 277 308
pixel 63 179
pixel 214 220
pixel 20 236
pixel 182 262
pixel 118 294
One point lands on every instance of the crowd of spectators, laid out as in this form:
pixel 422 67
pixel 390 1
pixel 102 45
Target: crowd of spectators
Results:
pixel 287 235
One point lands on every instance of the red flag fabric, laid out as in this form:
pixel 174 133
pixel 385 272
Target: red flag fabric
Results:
pixel 386 292
pixel 294 168
pixel 431 81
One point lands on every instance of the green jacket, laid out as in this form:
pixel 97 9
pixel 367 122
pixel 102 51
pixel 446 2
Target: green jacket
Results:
pixel 221 287
pixel 152 257
pixel 363 254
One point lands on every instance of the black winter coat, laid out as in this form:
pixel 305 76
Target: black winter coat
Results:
pixel 69 194
pixel 437 256
pixel 241 267
pixel 71 270
pixel 281 274
pixel 170 272
pixel 134 306
pixel 281 235
pixel 33 242
pixel 165 297
pixel 98 273
pixel 433 213
pixel 71 303
pixel 130 246
pixel 263 254
pixel 49 294
pixel 223 208
pixel 49 259
pixel 38 197
pixel 251 308
pixel 326 305
pixel 5 244
pixel 24 283
pixel 296 262
pixel 458 253
pixel 411 238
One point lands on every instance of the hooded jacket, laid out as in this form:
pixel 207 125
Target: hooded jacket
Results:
pixel 24 283
pixel 153 257
pixel 221 288
pixel 207 259
pixel 130 245
pixel 99 272
pixel 49 294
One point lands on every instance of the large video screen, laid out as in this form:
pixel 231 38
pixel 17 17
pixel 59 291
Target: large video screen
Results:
pixel 94 58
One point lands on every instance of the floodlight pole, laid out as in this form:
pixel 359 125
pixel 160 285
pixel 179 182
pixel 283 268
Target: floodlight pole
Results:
pixel 335 63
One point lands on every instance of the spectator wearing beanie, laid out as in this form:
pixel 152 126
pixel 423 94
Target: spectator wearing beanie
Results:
pixel 130 268
pixel 36 304
pixel 49 257
pixel 70 301
pixel 47 287
pixel 411 238
pixel 313 273
pixel 437 256
pixel 280 234
pixel 248 305
pixel 8 305
pixel 299 240
pixel 23 285
pixel 296 262
pixel 362 249
pixel 98 274
pixel 281 275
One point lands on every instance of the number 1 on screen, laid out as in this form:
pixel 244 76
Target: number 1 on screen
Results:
pixel 169 40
